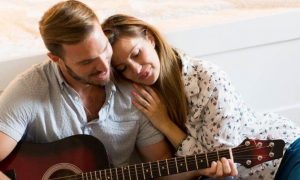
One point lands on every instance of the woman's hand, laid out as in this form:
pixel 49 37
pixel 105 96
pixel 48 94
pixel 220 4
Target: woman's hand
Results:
pixel 147 101
pixel 220 169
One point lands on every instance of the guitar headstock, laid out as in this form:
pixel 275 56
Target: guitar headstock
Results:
pixel 252 152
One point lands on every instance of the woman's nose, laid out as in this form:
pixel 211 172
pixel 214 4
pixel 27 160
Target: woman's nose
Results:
pixel 136 68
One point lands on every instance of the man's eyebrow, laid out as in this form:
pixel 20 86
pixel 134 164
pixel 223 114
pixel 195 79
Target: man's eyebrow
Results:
pixel 92 59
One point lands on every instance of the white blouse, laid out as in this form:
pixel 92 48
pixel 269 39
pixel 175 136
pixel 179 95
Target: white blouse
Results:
pixel 219 119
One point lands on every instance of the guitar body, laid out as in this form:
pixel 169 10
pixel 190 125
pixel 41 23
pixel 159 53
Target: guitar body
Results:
pixel 72 155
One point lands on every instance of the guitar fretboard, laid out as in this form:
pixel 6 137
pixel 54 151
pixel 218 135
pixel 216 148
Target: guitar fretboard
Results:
pixel 159 168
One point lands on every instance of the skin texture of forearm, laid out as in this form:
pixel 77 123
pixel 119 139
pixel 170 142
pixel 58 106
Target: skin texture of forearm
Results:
pixel 174 134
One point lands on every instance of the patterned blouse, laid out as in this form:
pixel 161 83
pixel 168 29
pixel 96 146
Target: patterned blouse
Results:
pixel 219 119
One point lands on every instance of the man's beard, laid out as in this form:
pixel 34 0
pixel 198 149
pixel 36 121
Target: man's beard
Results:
pixel 85 80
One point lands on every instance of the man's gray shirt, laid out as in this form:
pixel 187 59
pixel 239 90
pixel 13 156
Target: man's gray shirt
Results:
pixel 40 106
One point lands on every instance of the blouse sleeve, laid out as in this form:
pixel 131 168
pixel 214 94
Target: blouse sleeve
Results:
pixel 216 112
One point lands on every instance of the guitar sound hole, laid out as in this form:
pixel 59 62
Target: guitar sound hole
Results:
pixel 62 173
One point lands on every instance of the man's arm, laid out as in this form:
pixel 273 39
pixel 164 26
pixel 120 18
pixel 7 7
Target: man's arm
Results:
pixel 7 144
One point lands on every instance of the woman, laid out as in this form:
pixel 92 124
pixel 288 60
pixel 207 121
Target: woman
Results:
pixel 191 101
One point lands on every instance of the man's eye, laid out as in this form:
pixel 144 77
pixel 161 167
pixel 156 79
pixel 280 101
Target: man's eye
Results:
pixel 85 62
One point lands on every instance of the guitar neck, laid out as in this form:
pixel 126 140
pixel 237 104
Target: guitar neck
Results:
pixel 159 168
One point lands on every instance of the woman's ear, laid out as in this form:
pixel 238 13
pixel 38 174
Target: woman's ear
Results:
pixel 53 57
pixel 150 37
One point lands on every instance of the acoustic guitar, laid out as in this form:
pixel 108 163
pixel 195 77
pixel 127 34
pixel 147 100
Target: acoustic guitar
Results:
pixel 84 157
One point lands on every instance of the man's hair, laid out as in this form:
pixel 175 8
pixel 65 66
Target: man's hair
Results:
pixel 67 22
pixel 169 85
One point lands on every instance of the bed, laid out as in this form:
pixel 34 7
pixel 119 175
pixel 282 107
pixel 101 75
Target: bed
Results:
pixel 255 41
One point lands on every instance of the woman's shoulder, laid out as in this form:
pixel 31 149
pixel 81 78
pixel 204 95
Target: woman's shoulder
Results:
pixel 194 66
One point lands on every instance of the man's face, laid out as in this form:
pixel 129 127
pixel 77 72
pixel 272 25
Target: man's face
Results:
pixel 88 62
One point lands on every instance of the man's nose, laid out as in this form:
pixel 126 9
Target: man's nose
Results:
pixel 102 64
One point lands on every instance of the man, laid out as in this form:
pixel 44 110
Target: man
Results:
pixel 72 94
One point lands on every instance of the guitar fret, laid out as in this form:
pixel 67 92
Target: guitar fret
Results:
pixel 201 161
pixel 182 166
pixel 172 166
pixel 186 167
pixel 143 170
pixel 218 155
pixel 113 173
pixel 151 170
pixel 128 167
pixel 110 171
pixel 116 171
pixel 207 164
pixel 132 172
pixel 147 171
pixel 176 165
pixel 105 174
pixel 136 174
pixel 123 173
pixel 91 175
pixel 191 163
pixel 95 173
pixel 163 168
pixel 158 168
pixel 195 156
pixel 167 166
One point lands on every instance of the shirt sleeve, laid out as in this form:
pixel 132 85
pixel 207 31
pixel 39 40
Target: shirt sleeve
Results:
pixel 217 123
pixel 15 109
pixel 148 134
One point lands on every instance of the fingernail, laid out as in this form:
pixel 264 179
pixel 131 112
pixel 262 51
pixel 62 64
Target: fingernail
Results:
pixel 133 93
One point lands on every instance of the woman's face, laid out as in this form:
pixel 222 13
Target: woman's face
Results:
pixel 136 59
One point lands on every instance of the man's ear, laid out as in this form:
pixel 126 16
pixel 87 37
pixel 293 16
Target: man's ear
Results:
pixel 150 37
pixel 53 57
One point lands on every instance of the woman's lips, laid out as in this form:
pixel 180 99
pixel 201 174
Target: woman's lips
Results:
pixel 145 72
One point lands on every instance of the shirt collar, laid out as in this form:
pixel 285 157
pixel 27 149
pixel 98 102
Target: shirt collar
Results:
pixel 58 74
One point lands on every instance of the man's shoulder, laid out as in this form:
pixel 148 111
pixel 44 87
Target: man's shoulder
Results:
pixel 35 79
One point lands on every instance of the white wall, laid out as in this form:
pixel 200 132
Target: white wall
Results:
pixel 262 57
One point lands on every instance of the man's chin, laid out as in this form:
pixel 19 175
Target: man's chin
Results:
pixel 101 82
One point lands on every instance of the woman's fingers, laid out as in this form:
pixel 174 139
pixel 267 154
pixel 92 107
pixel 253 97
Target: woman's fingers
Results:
pixel 140 100
pixel 144 94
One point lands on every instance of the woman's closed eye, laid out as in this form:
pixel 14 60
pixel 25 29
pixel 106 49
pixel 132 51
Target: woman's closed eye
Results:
pixel 135 53
pixel 121 68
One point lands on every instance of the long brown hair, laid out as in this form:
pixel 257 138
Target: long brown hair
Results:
pixel 169 85
pixel 67 22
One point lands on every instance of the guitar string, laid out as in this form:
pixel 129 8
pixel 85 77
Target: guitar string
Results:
pixel 211 156
pixel 97 174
